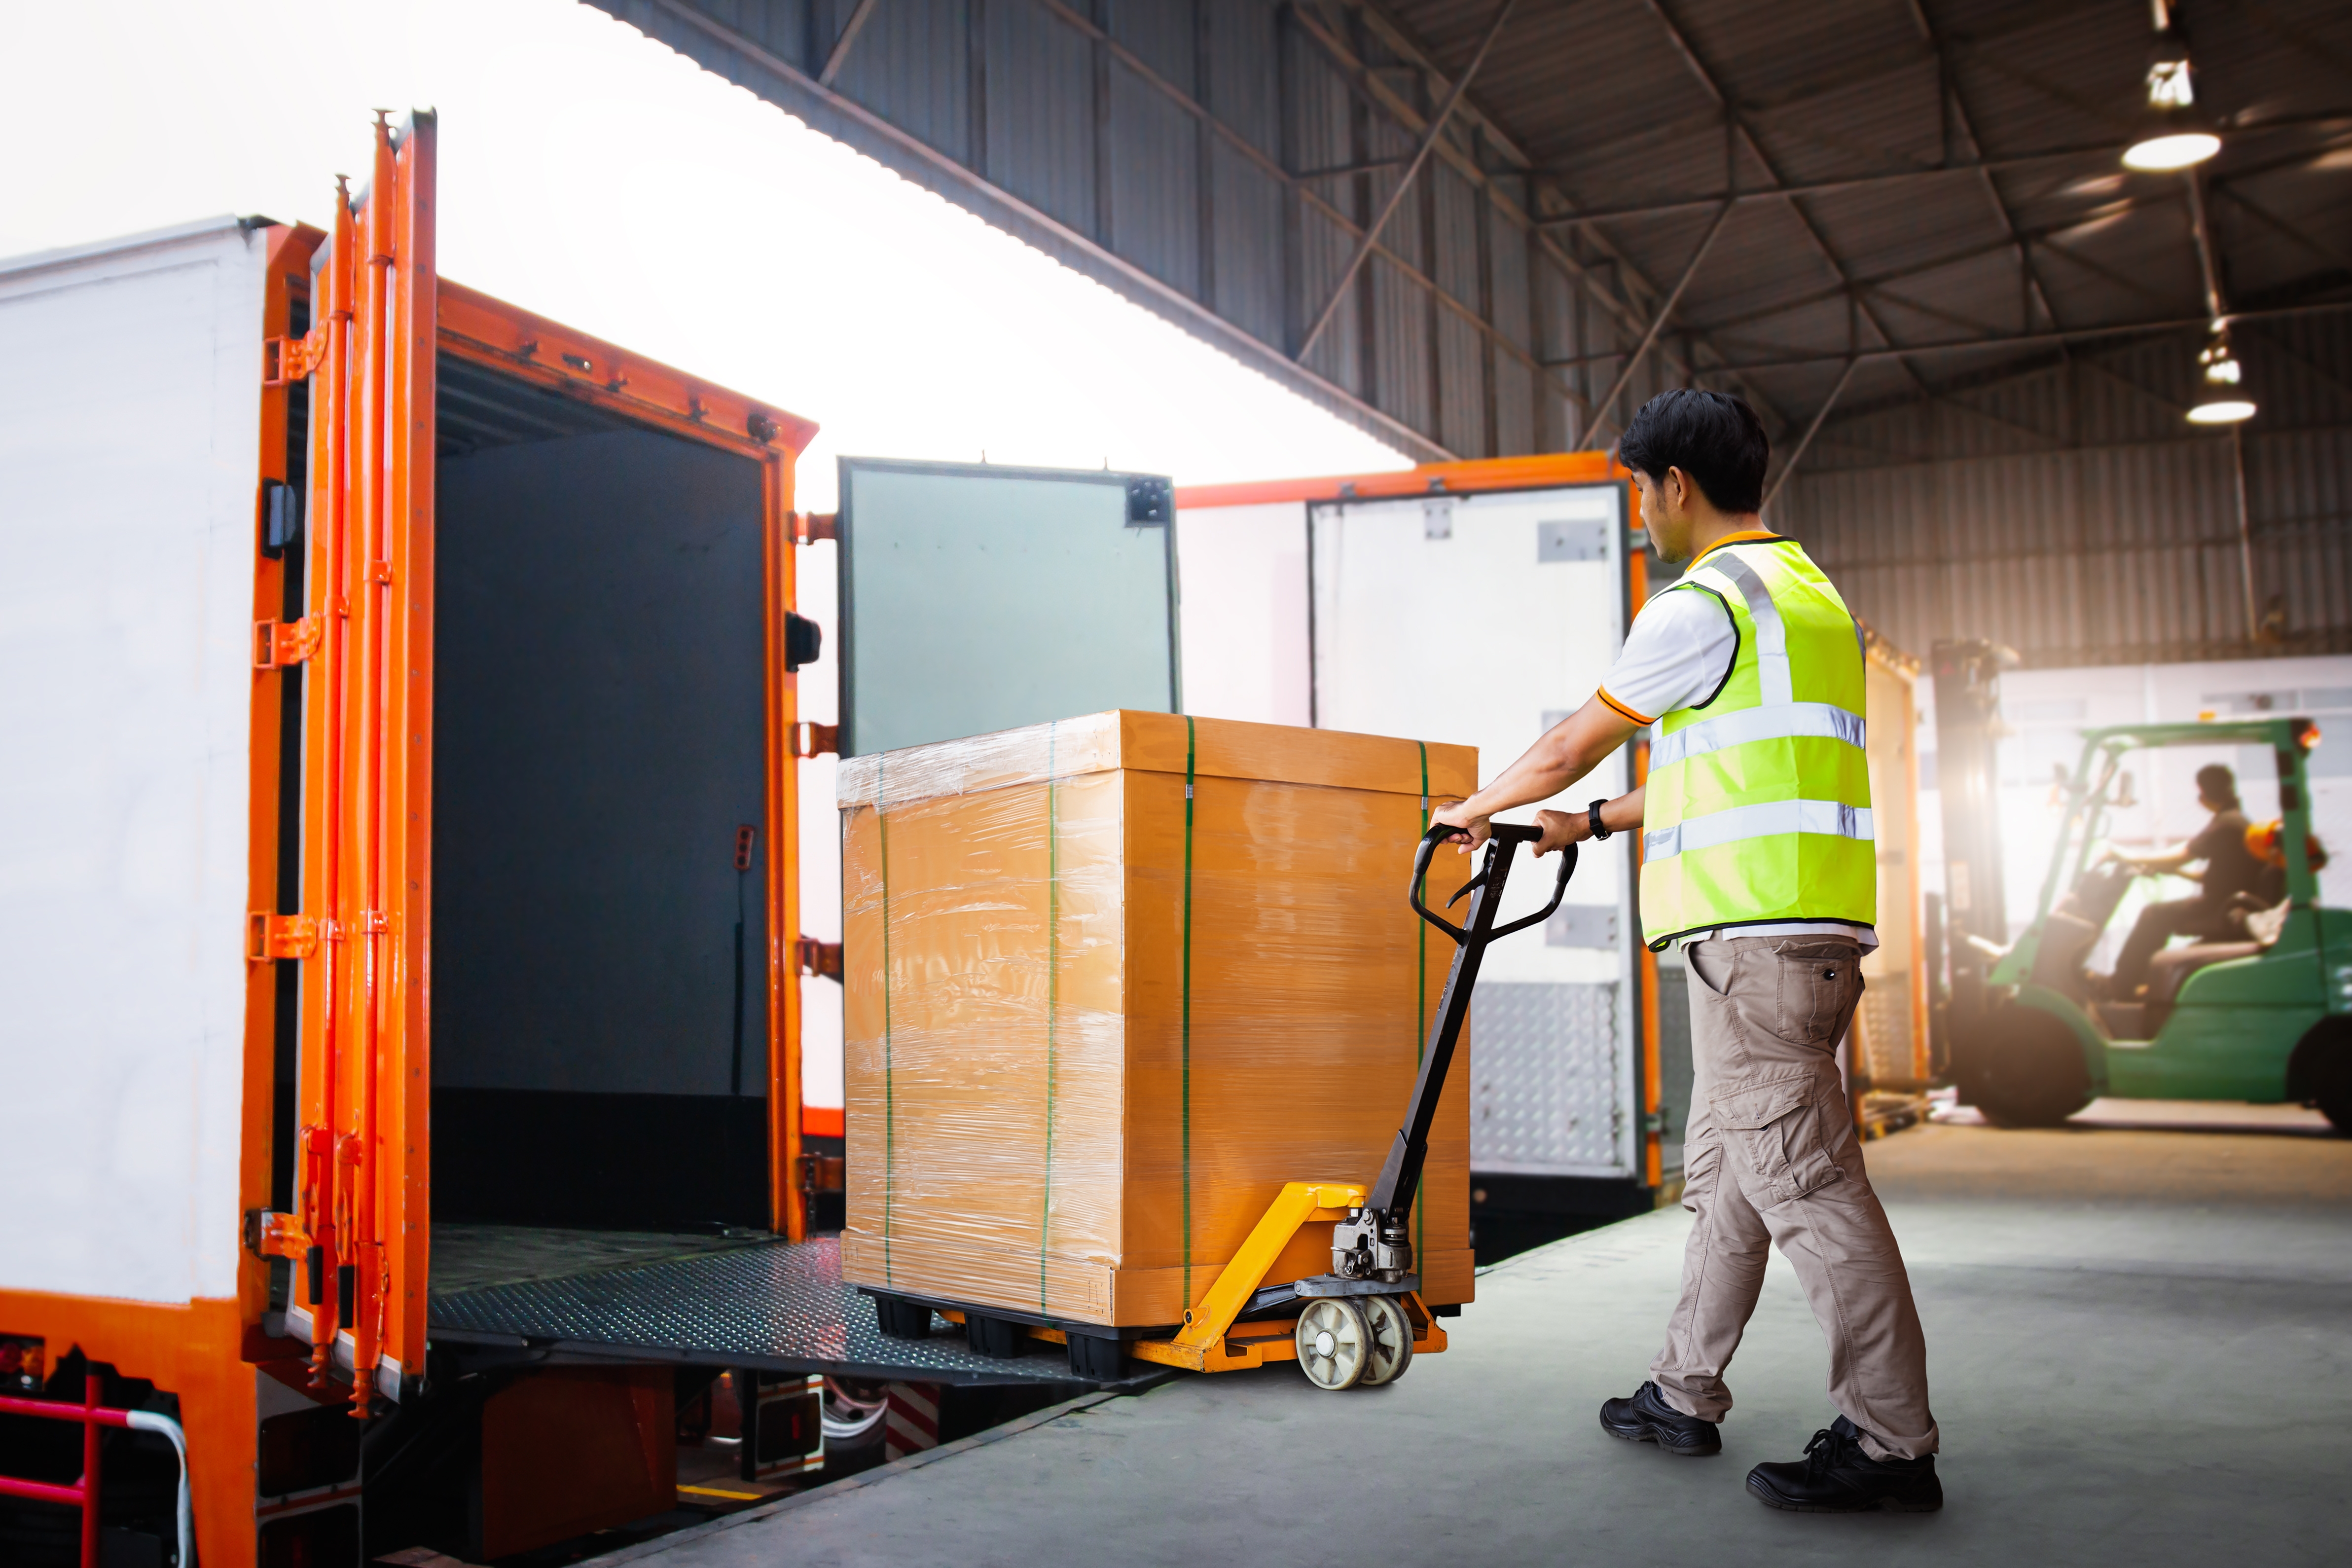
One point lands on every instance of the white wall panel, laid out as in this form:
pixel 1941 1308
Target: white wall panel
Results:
pixel 129 434
pixel 1243 576
pixel 1536 583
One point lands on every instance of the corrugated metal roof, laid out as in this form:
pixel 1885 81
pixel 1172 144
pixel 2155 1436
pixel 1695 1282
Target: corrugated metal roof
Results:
pixel 1093 111
pixel 2065 514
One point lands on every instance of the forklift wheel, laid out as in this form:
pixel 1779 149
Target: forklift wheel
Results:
pixel 1334 1342
pixel 901 1318
pixel 2024 1067
pixel 2322 1070
pixel 1391 1341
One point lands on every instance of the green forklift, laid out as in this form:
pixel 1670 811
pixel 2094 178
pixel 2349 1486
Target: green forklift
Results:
pixel 2265 1018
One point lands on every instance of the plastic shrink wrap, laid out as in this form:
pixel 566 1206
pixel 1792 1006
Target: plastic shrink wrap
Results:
pixel 1110 983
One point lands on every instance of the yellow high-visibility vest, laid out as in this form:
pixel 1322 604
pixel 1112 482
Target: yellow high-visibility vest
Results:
pixel 1758 803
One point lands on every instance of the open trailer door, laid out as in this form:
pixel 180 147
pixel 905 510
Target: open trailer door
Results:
pixel 359 1230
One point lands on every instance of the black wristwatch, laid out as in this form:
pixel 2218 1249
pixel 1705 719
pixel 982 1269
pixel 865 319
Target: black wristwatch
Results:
pixel 1592 818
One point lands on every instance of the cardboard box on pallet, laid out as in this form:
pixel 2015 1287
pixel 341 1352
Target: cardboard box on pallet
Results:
pixel 1110 983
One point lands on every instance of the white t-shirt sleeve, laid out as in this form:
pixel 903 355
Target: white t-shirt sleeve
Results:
pixel 1680 649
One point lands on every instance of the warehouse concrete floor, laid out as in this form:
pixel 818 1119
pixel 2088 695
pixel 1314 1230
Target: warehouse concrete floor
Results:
pixel 2138 1340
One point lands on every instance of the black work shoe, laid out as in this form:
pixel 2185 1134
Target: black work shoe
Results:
pixel 1648 1418
pixel 1836 1476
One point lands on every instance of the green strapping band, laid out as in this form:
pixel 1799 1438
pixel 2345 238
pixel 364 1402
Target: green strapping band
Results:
pixel 889 1090
pixel 1190 759
pixel 1421 1003
pixel 1053 994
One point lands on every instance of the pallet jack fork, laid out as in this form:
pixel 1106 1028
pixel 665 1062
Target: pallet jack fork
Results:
pixel 1363 1321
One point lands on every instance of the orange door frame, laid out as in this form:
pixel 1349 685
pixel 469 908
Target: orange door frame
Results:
pixel 362 1233
pixel 532 349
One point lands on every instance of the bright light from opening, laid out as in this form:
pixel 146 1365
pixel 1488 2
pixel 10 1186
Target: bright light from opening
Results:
pixel 736 243
pixel 2221 411
pixel 2181 149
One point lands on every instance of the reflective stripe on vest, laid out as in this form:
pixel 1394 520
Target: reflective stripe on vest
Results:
pixel 1762 820
pixel 1736 729
pixel 1759 802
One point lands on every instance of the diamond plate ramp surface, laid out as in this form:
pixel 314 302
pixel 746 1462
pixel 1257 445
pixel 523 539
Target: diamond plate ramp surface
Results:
pixel 780 1307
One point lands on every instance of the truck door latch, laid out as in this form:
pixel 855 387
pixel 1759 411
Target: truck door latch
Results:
pixel 821 1174
pixel 269 936
pixel 278 644
pixel 816 739
pixel 272 1235
pixel 286 360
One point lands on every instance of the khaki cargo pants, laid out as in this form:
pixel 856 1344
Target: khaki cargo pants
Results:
pixel 1770 1159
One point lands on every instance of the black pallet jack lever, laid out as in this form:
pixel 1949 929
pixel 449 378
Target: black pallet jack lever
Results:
pixel 1392 1195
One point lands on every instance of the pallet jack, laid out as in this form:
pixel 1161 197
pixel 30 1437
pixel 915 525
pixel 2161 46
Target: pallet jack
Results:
pixel 1363 1322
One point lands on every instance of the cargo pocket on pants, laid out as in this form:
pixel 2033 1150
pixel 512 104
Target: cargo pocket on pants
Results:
pixel 1777 1129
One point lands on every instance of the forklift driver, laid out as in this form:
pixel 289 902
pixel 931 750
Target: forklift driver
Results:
pixel 2229 869
pixel 1757 856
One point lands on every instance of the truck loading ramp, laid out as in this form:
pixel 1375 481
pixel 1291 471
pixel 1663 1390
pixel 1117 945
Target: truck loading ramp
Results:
pixel 724 1300
pixel 2135 1338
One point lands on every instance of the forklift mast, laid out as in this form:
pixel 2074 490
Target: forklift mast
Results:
pixel 1976 899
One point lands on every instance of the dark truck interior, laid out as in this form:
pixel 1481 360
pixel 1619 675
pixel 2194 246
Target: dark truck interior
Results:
pixel 599 987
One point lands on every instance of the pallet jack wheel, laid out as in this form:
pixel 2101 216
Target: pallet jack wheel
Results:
pixel 901 1318
pixel 1097 1360
pixel 1390 1339
pixel 1334 1342
pixel 998 1337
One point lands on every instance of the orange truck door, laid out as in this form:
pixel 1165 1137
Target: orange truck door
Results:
pixel 361 1226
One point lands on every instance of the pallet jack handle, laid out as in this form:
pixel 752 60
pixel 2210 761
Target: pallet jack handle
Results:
pixel 1400 1176
pixel 1501 834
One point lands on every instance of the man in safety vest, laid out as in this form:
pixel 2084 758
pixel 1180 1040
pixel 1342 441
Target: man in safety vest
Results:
pixel 1757 857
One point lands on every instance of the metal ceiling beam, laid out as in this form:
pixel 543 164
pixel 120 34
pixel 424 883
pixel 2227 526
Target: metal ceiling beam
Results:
pixel 2263 17
pixel 2156 196
pixel 1619 306
pixel 1272 167
pixel 1987 166
pixel 1400 113
pixel 2209 260
pixel 2029 278
pixel 1176 303
pixel 1633 361
pixel 1811 430
pixel 1429 140
pixel 2110 149
pixel 2310 242
pixel 838 55
pixel 1803 92
pixel 2033 339
pixel 1738 125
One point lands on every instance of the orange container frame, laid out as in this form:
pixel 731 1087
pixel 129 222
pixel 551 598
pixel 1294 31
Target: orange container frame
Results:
pixel 379 319
pixel 1542 470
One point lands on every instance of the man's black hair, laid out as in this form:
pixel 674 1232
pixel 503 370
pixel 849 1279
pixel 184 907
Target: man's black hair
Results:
pixel 1715 438
pixel 2215 782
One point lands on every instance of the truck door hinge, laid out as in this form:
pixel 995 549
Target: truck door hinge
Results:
pixel 268 1235
pixel 808 527
pixel 816 739
pixel 821 1174
pixel 815 957
pixel 269 936
pixel 284 360
pixel 278 644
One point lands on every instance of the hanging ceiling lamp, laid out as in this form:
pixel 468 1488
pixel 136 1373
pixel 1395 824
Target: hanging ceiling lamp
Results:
pixel 2174 133
pixel 2221 401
